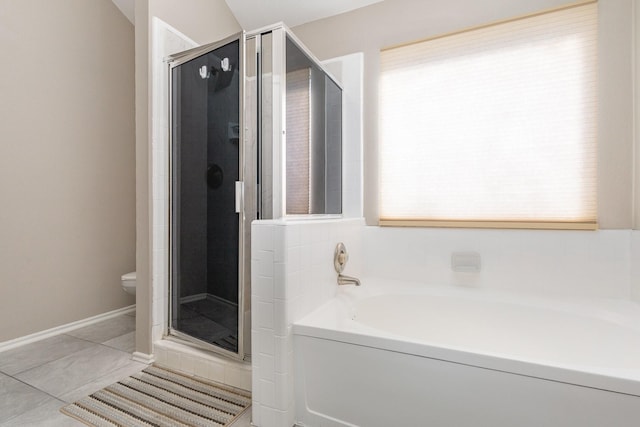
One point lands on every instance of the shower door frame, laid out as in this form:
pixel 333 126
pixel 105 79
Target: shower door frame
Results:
pixel 268 136
pixel 246 213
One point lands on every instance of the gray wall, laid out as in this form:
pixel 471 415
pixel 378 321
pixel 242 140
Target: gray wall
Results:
pixel 393 22
pixel 67 229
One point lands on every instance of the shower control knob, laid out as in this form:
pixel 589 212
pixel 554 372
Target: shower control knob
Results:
pixel 340 258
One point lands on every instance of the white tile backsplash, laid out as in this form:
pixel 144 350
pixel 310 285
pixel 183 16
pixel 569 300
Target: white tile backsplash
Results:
pixel 282 319
pixel 282 351
pixel 281 287
pixel 262 239
pixel 266 341
pixel 296 259
pixel 264 266
pixel 267 366
pixel 263 313
pixel 603 263
pixel 263 287
pixel 584 263
pixel 267 394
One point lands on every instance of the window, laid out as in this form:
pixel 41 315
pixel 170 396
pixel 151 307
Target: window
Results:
pixel 494 126
pixel 298 141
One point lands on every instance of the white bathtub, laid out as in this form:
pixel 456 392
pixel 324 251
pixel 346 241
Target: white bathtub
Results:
pixel 406 354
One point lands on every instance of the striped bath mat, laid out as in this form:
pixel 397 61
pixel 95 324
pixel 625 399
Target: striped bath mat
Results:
pixel 157 397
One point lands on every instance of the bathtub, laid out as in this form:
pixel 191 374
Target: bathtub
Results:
pixel 408 354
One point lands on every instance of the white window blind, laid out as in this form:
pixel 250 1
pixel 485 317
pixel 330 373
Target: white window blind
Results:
pixel 494 126
pixel 298 125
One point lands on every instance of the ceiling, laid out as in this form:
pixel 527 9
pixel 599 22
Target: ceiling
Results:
pixel 127 7
pixel 253 14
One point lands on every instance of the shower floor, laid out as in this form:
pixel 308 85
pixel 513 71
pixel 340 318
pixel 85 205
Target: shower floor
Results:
pixel 211 320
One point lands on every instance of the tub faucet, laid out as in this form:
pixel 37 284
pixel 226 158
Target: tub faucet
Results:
pixel 340 259
pixel 347 280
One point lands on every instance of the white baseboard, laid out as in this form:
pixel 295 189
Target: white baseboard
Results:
pixel 27 339
pixel 145 358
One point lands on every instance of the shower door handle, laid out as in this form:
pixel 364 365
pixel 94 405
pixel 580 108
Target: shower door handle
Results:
pixel 239 195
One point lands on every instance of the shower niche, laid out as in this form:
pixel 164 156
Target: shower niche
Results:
pixel 255 133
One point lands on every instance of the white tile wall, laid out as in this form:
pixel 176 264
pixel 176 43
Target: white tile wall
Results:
pixel 292 274
pixel 582 263
pixel 191 361
pixel 166 40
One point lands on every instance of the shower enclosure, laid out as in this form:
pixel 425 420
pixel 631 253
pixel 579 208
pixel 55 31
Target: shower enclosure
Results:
pixel 256 133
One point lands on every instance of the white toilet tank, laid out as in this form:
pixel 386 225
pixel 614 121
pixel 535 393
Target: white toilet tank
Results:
pixel 129 283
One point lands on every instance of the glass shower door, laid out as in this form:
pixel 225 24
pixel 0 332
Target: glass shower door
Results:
pixel 206 215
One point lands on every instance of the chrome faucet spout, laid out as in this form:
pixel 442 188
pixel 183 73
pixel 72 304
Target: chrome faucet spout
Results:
pixel 347 280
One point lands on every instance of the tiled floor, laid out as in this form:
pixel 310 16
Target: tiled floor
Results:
pixel 37 379
pixel 211 320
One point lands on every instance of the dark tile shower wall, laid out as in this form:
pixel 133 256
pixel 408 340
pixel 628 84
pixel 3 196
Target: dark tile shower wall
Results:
pixel 193 188
pixel 222 150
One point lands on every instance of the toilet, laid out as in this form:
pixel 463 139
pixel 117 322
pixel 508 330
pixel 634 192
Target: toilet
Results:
pixel 129 283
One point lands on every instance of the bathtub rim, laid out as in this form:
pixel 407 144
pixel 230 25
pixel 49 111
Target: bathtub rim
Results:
pixel 332 321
